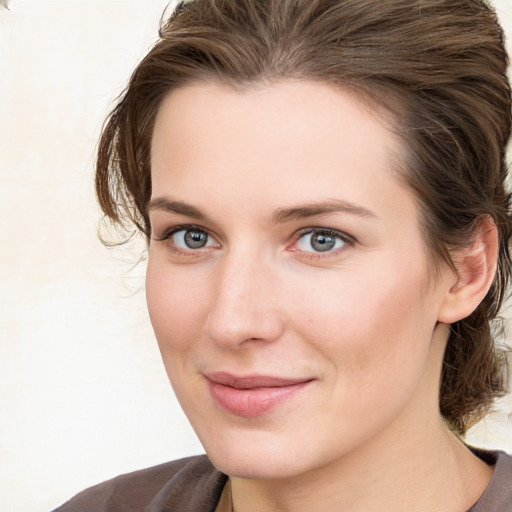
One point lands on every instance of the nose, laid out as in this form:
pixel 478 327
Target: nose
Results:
pixel 244 305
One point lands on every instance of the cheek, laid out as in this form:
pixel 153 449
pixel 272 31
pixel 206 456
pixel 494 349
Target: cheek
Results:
pixel 368 322
pixel 176 305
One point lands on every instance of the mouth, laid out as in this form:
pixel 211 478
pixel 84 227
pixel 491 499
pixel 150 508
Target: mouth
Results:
pixel 253 395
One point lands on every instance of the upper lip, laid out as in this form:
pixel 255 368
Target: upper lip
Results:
pixel 253 381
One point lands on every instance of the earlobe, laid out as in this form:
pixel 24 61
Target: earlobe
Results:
pixel 476 267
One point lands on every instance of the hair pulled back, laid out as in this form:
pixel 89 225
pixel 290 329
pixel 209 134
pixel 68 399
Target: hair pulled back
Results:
pixel 437 67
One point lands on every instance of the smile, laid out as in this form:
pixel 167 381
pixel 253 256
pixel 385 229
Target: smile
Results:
pixel 252 396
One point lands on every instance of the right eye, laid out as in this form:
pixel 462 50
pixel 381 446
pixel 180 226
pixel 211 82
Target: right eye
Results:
pixel 190 239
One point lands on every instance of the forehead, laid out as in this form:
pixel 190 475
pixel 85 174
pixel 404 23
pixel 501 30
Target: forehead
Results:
pixel 285 131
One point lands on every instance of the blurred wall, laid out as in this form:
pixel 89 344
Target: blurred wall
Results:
pixel 83 394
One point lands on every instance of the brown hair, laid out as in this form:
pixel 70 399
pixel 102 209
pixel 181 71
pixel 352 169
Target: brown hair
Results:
pixel 437 66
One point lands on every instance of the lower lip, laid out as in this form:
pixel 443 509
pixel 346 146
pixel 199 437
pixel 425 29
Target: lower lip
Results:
pixel 253 402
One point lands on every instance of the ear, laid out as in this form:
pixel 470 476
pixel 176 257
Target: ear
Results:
pixel 476 267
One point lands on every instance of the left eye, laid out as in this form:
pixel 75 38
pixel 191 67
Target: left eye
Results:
pixel 320 241
pixel 191 239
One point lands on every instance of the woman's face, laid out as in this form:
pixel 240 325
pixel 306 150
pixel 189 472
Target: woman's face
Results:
pixel 288 283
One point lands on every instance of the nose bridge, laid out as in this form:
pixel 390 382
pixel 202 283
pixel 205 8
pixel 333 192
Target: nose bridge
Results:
pixel 243 305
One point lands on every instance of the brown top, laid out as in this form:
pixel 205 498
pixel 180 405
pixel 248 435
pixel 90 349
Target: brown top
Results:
pixel 195 485
pixel 498 495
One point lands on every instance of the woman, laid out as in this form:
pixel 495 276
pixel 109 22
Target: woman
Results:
pixel 322 188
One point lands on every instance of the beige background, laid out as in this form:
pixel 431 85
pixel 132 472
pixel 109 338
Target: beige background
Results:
pixel 83 395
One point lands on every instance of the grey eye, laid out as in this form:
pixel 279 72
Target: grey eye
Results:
pixel 195 239
pixel 191 239
pixel 320 241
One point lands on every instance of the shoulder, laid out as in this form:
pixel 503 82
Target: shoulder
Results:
pixel 498 495
pixel 186 484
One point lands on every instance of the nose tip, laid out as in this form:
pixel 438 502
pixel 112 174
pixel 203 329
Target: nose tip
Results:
pixel 243 310
pixel 230 329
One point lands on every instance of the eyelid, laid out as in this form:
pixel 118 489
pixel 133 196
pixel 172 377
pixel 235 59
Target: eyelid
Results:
pixel 347 240
pixel 169 232
pixel 331 231
pixel 189 253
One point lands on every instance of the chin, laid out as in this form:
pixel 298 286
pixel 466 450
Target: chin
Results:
pixel 254 466
pixel 262 456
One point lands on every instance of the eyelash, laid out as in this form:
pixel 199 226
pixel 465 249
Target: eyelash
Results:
pixel 347 240
pixel 169 233
pixel 314 255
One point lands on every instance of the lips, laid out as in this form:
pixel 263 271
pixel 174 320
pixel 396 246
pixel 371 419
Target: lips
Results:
pixel 254 395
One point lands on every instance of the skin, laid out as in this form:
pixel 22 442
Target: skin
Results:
pixel 365 321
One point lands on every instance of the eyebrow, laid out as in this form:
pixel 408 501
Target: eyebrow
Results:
pixel 179 207
pixel 279 216
pixel 320 208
